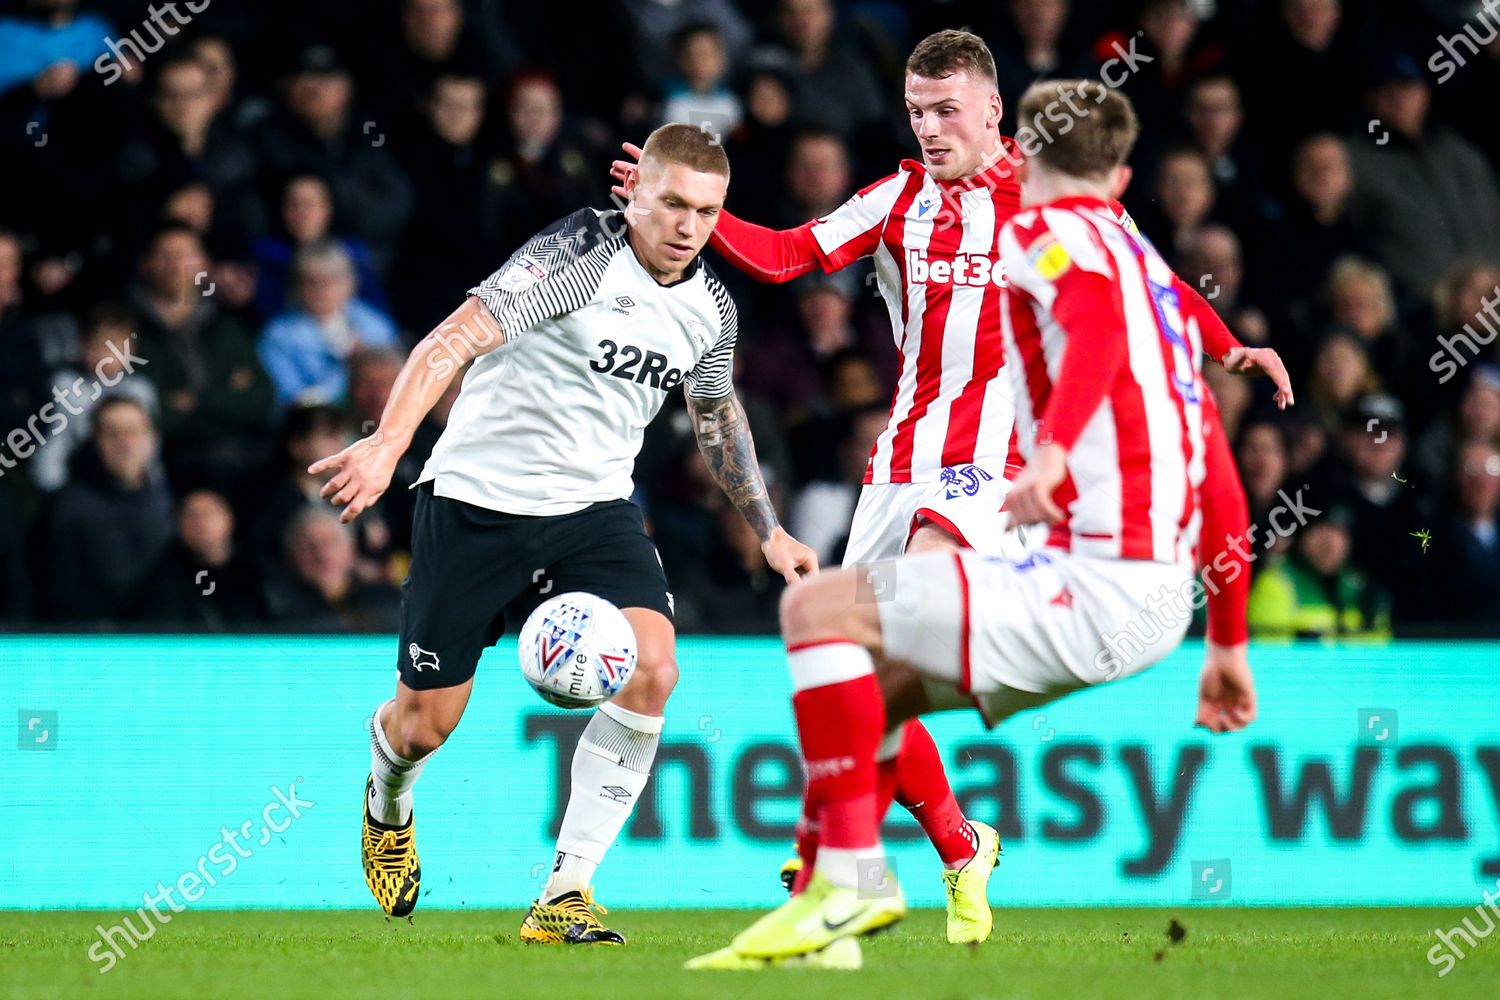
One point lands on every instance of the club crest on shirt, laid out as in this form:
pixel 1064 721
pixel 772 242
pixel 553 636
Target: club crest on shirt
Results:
pixel 698 332
pixel 1048 257
pixel 521 274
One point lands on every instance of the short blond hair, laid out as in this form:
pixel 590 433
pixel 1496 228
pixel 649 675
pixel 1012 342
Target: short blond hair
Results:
pixel 688 145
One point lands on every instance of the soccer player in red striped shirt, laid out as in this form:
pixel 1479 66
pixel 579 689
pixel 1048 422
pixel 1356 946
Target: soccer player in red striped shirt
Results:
pixel 939 470
pixel 1104 357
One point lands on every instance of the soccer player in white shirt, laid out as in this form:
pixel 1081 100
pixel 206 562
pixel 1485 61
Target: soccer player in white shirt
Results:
pixel 574 342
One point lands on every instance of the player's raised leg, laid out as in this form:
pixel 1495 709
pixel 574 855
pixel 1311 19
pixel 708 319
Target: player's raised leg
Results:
pixel 611 765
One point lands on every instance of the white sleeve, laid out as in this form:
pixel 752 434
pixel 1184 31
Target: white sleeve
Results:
pixel 553 273
pixel 713 376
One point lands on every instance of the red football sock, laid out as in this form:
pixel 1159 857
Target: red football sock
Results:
pixel 922 787
pixel 839 724
pixel 807 845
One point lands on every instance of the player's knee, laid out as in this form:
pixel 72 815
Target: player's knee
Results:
pixel 655 677
pixel 809 612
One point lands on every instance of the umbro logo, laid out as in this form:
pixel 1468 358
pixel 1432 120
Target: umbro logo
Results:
pixel 615 793
pixel 623 305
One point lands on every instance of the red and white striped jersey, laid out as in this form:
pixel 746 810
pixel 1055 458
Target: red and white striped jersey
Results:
pixel 1103 359
pixel 937 264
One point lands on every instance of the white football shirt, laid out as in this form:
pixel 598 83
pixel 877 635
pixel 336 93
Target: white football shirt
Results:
pixel 551 421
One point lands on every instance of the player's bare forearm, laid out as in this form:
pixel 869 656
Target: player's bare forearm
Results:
pixel 723 435
pixel 469 331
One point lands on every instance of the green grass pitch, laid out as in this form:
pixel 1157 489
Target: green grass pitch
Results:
pixel 1225 953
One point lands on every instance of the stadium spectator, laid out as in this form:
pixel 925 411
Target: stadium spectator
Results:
pixel 834 86
pixel 1172 51
pixel 700 94
pixel 1367 475
pixel 757 149
pixel 1475 418
pixel 657 23
pixel 215 397
pixel 818 178
pixel 1361 301
pixel 1184 197
pixel 1263 456
pixel 1314 229
pixel 35 341
pixel 317 131
pixel 201 582
pixel 317 587
pixel 305 350
pixel 109 524
pixel 284 489
pixel 460 226
pixel 48 46
pixel 1466 543
pixel 1313 593
pixel 1339 376
pixel 1304 47
pixel 184 142
pixel 823 509
pixel 305 219
pixel 216 56
pixel 543 174
pixel 1423 195
pixel 108 364
pixel 1034 49
pixel 1464 306
pixel 435 39
pixel 1213 261
pixel 1216 119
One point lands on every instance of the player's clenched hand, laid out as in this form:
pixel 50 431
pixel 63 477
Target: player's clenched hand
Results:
pixel 1262 361
pixel 623 170
pixel 1030 499
pixel 788 556
pixel 1226 691
pixel 362 472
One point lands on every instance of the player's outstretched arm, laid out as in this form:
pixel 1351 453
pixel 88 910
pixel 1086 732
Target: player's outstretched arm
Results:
pixel 1226 690
pixel 363 470
pixel 724 440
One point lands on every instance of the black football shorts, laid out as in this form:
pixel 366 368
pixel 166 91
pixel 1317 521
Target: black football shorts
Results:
pixel 476 572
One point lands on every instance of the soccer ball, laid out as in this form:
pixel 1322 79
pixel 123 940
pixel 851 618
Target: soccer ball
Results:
pixel 577 650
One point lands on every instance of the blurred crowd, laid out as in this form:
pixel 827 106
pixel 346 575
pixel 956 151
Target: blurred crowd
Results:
pixel 223 224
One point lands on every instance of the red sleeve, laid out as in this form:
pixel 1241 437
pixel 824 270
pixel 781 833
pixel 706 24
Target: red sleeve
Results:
pixel 765 254
pixel 1089 309
pixel 1217 340
pixel 1226 519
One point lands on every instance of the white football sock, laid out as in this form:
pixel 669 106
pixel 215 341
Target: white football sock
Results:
pixel 864 869
pixel 390 793
pixel 610 766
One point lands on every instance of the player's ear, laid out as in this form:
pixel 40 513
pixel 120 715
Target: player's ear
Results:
pixel 997 111
pixel 1119 180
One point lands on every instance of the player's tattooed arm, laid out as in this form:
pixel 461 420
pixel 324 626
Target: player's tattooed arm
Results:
pixel 723 435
